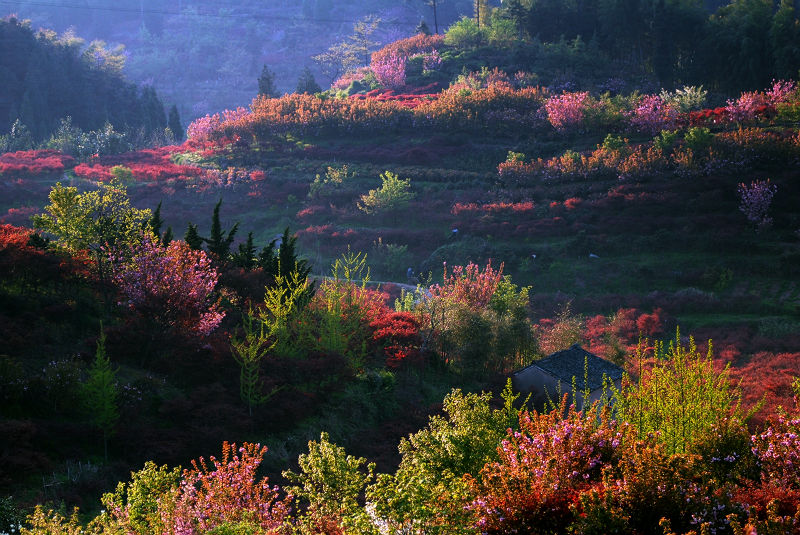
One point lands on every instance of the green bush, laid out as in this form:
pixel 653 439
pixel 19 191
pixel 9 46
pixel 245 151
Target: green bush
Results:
pixel 698 138
pixel 665 140
pixel 464 34
pixel 329 485
pixel 612 142
pixel 134 506
pixel 392 195
pixel 428 493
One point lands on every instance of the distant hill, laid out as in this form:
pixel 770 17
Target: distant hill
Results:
pixel 47 77
pixel 205 55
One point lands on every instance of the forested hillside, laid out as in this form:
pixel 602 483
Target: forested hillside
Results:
pixel 48 77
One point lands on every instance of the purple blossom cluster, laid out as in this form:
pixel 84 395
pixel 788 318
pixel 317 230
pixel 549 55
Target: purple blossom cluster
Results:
pixel 652 115
pixel 431 61
pixel 755 199
pixel 778 450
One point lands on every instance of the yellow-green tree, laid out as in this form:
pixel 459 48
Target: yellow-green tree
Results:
pixel 392 195
pixel 680 398
pixel 101 222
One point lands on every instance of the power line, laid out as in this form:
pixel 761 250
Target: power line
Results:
pixel 196 14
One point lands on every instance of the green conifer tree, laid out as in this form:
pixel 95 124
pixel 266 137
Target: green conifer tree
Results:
pixel 192 238
pixel 219 242
pixel 284 262
pixel 246 257
pixel 168 236
pixel 100 393
pixel 156 222
pixel 307 84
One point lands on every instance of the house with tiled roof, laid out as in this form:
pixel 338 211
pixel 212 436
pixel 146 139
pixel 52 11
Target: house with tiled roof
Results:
pixel 557 373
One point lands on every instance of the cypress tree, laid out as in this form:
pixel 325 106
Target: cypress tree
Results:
pixel 307 84
pixel 168 237
pixel 218 241
pixel 192 238
pixel 285 261
pixel 175 124
pixel 266 83
pixel 156 221
pixel 246 257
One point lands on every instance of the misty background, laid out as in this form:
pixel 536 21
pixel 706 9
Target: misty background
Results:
pixel 206 55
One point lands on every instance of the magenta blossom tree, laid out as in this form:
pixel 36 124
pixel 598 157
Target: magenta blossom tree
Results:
pixel 781 91
pixel 172 286
pixel 202 128
pixel 226 491
pixel 566 110
pixel 390 70
pixel 468 285
pixel 746 107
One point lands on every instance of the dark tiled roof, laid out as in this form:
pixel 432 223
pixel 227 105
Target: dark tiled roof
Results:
pixel 570 363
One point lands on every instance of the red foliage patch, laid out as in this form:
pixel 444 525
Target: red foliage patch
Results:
pixel 19 216
pixel 497 207
pixel 398 333
pixel 98 172
pixel 768 375
pixel 34 162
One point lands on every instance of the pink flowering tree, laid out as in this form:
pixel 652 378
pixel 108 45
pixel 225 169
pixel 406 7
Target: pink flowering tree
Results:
pixel 170 286
pixel 653 114
pixel 390 70
pixel 754 201
pixel 566 110
pixel 781 91
pixel 778 451
pixel 226 492
pixel 534 486
pixel 203 128
pixel 468 285
pixel 746 108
